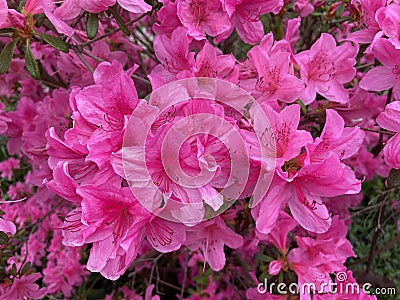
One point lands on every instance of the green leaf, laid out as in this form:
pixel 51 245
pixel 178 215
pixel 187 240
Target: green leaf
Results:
pixel 55 42
pixel 3 238
pixel 25 268
pixel 119 20
pixel 393 179
pixel 339 11
pixel 30 62
pixel 39 20
pixel 13 270
pixel 92 25
pixel 21 5
pixel 302 106
pixel 7 30
pixel 6 56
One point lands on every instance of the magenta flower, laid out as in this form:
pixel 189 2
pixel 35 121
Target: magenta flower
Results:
pixel 245 17
pixel 387 76
pixel 275 73
pixel 325 68
pixel 203 17
pixel 211 236
pixel 300 181
pixel 24 288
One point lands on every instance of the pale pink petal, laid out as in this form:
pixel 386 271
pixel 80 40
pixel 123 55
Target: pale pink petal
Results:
pixel 378 79
pixel 135 6
pixel 390 118
pixel 7 226
pixel 391 152
pixel 3 11
pixel 316 219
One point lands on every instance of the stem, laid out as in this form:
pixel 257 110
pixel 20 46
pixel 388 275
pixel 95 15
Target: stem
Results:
pixel 84 61
pixel 111 32
pixel 377 131
pixel 375 237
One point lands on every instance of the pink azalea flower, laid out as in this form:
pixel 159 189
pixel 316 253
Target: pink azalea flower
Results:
pixel 368 11
pixel 211 236
pixel 344 141
pixel 24 288
pixel 245 15
pixel 7 167
pixel 387 76
pixel 275 74
pixel 203 17
pixel 173 53
pixel 210 63
pixel 300 181
pixel 278 235
pixel 325 68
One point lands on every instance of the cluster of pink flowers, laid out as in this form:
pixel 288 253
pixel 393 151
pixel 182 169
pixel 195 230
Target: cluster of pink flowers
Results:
pixel 168 140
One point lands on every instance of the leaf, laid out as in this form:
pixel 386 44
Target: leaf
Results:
pixel 92 25
pixel 30 62
pixel 55 42
pixel 13 270
pixel 3 238
pixel 6 56
pixel 25 268
pixel 393 179
pixel 339 11
pixel 7 30
pixel 21 5
pixel 119 20
pixel 302 107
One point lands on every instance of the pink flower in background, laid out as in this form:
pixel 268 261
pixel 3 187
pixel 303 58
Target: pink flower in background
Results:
pixel 24 288
pixel 7 167
pixel 7 226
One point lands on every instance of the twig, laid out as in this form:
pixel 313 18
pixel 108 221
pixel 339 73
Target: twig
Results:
pixel 185 274
pixel 111 32
pixel 377 131
pixel 389 245
pixel 375 237
pixel 84 61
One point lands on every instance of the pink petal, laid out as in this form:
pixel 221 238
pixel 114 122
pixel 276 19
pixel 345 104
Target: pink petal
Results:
pixel 7 226
pixel 135 6
pixel 316 220
pixel 378 79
